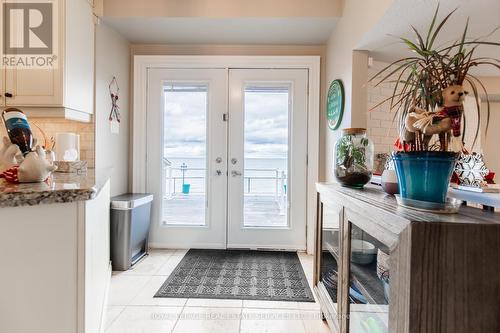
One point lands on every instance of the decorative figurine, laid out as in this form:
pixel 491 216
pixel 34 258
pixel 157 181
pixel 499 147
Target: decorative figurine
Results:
pixel 446 122
pixel 34 167
pixel 8 154
pixel 471 170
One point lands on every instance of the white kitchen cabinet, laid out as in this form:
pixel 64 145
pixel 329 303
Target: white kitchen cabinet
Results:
pixel 69 87
pixel 33 87
pixel 2 80
pixel 56 266
pixel 2 71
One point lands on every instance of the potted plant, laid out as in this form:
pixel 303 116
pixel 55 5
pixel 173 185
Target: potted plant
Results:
pixel 429 89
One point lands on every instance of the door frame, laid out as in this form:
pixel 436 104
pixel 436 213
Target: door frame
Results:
pixel 138 144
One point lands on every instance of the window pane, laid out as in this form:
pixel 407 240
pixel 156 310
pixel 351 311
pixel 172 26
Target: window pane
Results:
pixel 266 156
pixel 184 154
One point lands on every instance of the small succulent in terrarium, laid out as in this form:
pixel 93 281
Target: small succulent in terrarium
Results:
pixel 353 158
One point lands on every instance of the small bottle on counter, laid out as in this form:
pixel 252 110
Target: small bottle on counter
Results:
pixel 18 129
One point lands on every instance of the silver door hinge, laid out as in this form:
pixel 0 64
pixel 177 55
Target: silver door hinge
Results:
pixel 225 117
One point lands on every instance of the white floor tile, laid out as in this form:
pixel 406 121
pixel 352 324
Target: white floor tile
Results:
pixel 142 319
pixel 205 302
pixel 124 288
pixel 168 267
pixel 112 312
pixel 313 322
pixel 308 305
pixel 271 321
pixel 132 307
pixel 164 252
pixel 149 265
pixel 181 252
pixel 145 296
pixel 269 304
pixel 208 320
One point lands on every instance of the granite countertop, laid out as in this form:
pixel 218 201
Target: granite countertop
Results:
pixel 58 188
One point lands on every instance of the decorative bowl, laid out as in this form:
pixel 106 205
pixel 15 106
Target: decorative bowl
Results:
pixel 362 252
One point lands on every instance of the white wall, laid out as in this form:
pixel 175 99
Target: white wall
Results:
pixel 351 67
pixel 491 138
pixel 112 58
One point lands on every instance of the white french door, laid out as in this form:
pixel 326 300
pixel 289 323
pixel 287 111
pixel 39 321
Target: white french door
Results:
pixel 226 157
pixel 267 137
pixel 186 156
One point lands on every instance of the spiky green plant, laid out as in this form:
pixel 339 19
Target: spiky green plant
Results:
pixel 421 78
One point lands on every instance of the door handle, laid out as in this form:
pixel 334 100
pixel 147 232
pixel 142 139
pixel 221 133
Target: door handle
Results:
pixel 218 172
pixel 235 173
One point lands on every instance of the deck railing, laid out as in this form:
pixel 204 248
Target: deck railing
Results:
pixel 177 177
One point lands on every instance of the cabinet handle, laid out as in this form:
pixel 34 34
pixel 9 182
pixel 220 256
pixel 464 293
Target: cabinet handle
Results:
pixel 9 95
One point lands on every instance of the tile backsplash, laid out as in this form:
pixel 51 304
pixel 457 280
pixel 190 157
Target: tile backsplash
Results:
pixel 51 126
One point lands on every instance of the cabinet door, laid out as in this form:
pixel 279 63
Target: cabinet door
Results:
pixel 79 66
pixel 368 270
pixel 33 87
pixel 2 70
pixel 329 262
pixel 38 86
pixel 2 79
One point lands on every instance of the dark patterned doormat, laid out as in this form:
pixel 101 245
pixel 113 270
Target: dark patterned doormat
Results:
pixel 238 274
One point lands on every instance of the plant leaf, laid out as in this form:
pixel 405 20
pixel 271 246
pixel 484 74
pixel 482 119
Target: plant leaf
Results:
pixel 461 49
pixel 431 27
pixel 439 27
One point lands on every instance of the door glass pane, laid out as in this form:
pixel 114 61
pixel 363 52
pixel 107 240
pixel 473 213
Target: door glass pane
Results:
pixel 184 154
pixel 266 156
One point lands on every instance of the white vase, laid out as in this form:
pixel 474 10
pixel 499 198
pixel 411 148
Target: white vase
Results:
pixel 390 182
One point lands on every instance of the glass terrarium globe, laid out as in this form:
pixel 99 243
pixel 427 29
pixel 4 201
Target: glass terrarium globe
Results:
pixel 353 158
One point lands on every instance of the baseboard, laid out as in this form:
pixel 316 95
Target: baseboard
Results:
pixel 155 245
pixel 267 247
pixel 159 245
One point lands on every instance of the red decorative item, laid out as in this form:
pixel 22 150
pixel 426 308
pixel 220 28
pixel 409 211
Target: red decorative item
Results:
pixel 400 147
pixel 115 109
pixel 10 174
pixel 489 178
pixel 455 114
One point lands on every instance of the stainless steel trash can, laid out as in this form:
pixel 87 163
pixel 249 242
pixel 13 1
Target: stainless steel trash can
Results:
pixel 130 221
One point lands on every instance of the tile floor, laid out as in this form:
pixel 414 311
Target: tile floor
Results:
pixel 133 309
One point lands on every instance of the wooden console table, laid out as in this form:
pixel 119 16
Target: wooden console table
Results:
pixel 444 269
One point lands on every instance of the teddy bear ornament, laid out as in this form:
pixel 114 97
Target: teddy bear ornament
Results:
pixel 420 125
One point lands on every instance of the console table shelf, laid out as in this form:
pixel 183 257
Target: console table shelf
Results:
pixel 443 272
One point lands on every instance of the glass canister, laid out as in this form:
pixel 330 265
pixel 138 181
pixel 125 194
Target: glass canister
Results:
pixel 353 158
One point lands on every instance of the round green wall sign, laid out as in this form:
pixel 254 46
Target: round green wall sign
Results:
pixel 335 104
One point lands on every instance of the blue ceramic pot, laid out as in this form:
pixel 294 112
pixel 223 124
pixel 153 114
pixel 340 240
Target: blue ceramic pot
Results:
pixel 424 175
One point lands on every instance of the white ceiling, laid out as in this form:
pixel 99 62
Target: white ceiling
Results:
pixel 484 18
pixel 224 31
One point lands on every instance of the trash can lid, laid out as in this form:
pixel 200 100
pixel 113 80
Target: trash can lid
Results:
pixel 130 200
